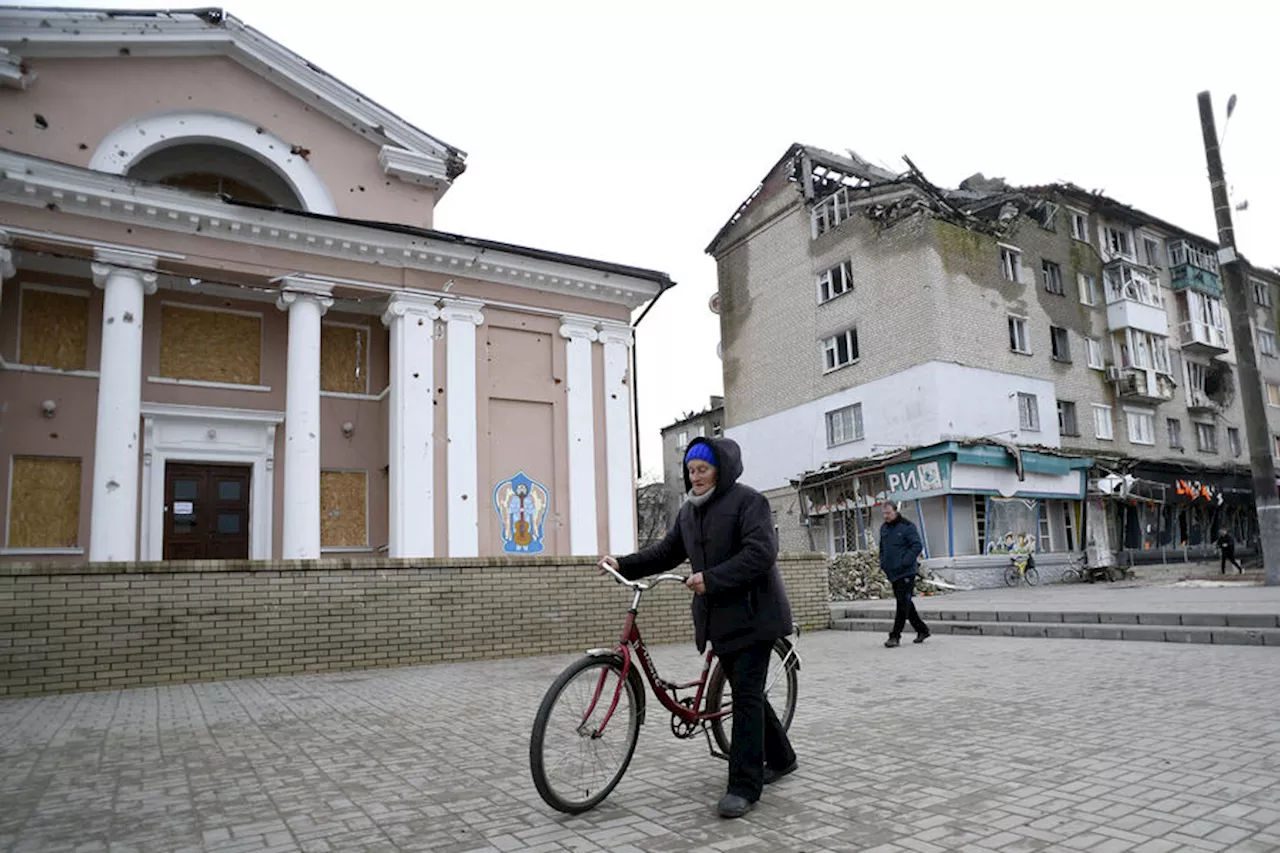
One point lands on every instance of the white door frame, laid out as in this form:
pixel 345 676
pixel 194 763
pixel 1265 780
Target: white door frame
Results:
pixel 207 434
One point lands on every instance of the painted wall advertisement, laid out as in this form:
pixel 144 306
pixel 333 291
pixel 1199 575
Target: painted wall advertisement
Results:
pixel 915 480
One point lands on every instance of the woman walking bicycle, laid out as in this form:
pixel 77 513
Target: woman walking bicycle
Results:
pixel 725 530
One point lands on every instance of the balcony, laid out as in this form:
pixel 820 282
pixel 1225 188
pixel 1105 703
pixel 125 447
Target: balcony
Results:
pixel 1133 299
pixel 1144 386
pixel 1199 402
pixel 1202 338
pixel 1194 268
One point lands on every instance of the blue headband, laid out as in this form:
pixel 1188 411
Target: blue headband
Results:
pixel 702 451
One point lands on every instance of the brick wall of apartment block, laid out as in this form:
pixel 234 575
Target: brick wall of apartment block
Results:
pixel 107 626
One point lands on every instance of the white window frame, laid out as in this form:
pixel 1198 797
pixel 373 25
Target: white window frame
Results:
pixel 1052 273
pixel 1112 238
pixel 1173 430
pixel 1261 292
pixel 1273 394
pixel 836 281
pixel 1018 329
pixel 1088 287
pixel 831 347
pixel 1028 412
pixel 682 438
pixel 1096 359
pixel 1079 225
pixel 827 214
pixel 1151 259
pixel 1145 421
pixel 1233 441
pixel 1072 428
pixel 1212 431
pixel 1103 429
pixel 1267 343
pixel 849 428
pixel 1011 263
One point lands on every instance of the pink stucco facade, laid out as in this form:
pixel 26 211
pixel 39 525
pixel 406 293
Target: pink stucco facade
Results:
pixel 527 351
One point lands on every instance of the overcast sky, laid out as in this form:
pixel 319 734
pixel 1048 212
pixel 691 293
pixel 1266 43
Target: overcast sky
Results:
pixel 631 135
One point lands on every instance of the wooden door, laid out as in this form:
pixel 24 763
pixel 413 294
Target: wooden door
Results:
pixel 206 511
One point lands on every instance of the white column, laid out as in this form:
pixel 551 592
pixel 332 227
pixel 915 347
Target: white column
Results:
pixel 126 280
pixel 582 444
pixel 617 340
pixel 7 268
pixel 461 317
pixel 411 440
pixel 306 303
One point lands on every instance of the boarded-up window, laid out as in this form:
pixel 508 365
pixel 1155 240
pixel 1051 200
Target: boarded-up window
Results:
pixel 44 503
pixel 342 509
pixel 344 352
pixel 55 329
pixel 210 346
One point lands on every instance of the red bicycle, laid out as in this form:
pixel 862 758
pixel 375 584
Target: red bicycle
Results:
pixel 587 726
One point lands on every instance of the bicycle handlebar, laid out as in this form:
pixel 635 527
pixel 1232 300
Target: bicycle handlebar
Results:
pixel 641 585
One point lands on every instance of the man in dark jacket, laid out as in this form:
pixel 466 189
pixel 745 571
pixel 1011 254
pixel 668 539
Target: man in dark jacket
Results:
pixel 725 530
pixel 900 550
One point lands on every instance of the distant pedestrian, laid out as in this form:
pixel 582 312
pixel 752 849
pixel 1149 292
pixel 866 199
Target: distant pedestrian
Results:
pixel 900 550
pixel 1227 547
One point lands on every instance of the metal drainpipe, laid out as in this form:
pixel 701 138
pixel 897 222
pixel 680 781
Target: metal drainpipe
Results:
pixel 635 383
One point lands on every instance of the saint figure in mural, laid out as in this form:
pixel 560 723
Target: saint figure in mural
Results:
pixel 522 506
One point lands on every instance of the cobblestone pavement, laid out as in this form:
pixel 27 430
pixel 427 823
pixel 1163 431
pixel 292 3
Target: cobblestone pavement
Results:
pixel 962 744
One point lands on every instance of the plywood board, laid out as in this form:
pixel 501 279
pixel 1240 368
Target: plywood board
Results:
pixel 55 329
pixel 343 509
pixel 44 503
pixel 344 358
pixel 210 346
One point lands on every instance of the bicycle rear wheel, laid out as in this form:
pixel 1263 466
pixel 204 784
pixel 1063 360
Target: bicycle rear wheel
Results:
pixel 1032 575
pixel 1072 575
pixel 1012 576
pixel 574 765
pixel 779 691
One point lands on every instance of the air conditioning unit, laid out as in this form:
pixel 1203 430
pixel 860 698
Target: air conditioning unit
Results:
pixel 1113 373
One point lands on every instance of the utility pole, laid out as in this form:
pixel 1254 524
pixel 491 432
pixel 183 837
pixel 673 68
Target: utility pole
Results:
pixel 1235 289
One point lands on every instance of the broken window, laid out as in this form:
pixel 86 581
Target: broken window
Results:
pixel 1011 263
pixel 1088 289
pixel 1206 438
pixel 44 502
pixel 1095 353
pixel 830 212
pixel 835 281
pixel 1261 292
pixel 1028 412
pixel 1052 277
pixel 1117 242
pixel 1267 343
pixel 343 509
pixel 1183 252
pixel 54 325
pixel 1126 282
pixel 844 425
pixel 841 349
pixel 1067 418
pixel 207 345
pixel 1080 225
pixel 344 355
pixel 1018 335
pixel 1233 441
pixel 1175 433
pixel 1059 343
pixel 1151 251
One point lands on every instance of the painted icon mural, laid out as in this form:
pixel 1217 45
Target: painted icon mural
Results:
pixel 1012 526
pixel 522 504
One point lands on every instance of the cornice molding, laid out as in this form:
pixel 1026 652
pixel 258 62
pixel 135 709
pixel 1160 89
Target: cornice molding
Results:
pixel 75 33
pixel 33 182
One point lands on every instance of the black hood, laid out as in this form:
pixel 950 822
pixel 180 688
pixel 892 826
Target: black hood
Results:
pixel 728 462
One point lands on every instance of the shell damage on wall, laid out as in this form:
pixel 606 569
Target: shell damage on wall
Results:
pixel 521 504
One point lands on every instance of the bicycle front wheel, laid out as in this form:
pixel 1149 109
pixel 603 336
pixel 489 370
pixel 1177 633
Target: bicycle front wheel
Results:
pixel 779 691
pixel 574 764
pixel 1012 576
pixel 1032 575
pixel 1072 575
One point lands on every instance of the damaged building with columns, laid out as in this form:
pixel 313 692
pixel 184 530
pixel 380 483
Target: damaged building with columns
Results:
pixel 229 328
pixel 1036 369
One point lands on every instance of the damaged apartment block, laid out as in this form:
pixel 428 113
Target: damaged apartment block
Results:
pixel 1039 368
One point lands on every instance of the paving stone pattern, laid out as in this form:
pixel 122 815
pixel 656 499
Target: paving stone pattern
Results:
pixel 962 744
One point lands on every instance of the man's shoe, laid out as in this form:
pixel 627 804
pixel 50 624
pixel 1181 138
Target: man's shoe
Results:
pixel 732 805
pixel 920 638
pixel 891 643
pixel 771 775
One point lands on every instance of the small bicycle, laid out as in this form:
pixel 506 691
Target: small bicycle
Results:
pixel 1078 570
pixel 1021 567
pixel 587 726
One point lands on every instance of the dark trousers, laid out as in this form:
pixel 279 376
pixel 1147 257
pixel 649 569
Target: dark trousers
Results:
pixel 906 609
pixel 758 736
pixel 1229 554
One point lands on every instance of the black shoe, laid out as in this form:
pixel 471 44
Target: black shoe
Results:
pixel 891 643
pixel 920 638
pixel 771 775
pixel 732 805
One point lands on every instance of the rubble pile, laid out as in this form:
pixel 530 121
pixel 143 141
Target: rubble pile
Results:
pixel 856 575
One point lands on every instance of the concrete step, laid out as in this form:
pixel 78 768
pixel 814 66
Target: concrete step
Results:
pixel 1079 617
pixel 1167 631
